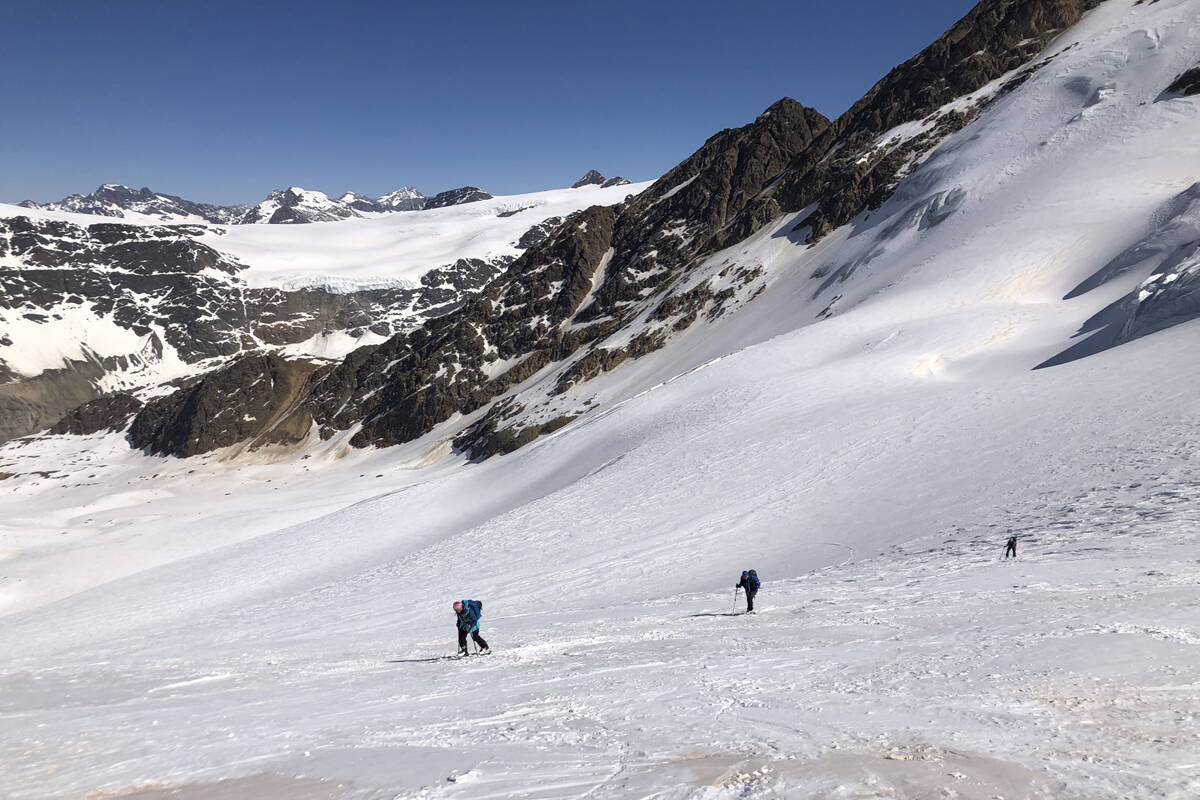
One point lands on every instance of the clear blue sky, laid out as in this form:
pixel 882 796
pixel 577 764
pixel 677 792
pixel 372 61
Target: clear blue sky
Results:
pixel 222 102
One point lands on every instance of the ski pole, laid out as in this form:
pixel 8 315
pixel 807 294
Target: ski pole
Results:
pixel 735 594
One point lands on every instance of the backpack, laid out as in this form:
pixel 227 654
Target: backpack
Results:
pixel 754 581
pixel 476 607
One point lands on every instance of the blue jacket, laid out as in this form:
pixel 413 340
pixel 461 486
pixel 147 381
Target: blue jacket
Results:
pixel 749 582
pixel 468 618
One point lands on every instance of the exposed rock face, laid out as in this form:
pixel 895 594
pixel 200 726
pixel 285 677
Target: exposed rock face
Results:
pixel 456 197
pixel 538 233
pixel 1186 84
pixel 590 178
pixel 402 388
pixel 35 403
pixel 843 172
pixel 109 413
pixel 242 401
pixel 585 281
pixel 115 200
pixel 594 178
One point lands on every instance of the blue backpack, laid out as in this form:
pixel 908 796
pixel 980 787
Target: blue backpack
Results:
pixel 752 582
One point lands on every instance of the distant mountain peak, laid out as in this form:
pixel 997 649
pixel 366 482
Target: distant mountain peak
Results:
pixel 590 178
pixel 457 197
pixel 595 178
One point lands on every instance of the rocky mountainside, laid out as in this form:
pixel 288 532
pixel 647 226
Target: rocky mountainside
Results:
pixel 457 197
pixel 610 285
pixel 152 303
pixel 614 284
pixel 93 305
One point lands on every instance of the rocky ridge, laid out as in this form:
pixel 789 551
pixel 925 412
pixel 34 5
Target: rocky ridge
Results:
pixel 457 197
pixel 615 283
pixel 285 206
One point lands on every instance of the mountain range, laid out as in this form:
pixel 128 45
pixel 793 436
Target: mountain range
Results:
pixel 284 206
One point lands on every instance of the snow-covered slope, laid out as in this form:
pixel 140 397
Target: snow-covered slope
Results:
pixel 399 247
pixel 860 419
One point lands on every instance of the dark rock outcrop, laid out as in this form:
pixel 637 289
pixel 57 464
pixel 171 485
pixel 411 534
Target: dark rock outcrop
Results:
pixel 249 399
pixel 109 413
pixel 843 173
pixel 32 404
pixel 457 197
pixel 594 178
pixel 1186 84
pixel 539 233
pixel 590 178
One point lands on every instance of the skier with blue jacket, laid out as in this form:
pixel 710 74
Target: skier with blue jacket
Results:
pixel 750 583
pixel 468 613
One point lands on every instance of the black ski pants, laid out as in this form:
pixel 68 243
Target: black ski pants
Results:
pixel 462 640
pixel 750 599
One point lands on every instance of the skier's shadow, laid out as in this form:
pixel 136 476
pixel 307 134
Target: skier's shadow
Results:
pixel 718 614
pixel 419 660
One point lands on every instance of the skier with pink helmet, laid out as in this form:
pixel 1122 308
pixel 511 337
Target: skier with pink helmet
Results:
pixel 468 613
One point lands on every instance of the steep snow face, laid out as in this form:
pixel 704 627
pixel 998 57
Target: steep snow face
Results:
pixel 865 428
pixel 399 248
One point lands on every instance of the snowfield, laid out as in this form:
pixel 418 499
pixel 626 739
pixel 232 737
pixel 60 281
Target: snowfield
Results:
pixel 400 247
pixel 275 624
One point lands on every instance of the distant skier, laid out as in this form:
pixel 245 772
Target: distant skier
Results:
pixel 750 583
pixel 1010 548
pixel 468 613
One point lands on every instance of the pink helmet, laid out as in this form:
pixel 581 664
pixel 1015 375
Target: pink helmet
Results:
pixel 458 605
